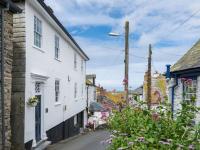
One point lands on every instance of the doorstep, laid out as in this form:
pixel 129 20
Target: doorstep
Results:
pixel 43 144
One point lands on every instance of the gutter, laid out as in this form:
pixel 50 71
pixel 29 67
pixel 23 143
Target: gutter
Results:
pixel 12 7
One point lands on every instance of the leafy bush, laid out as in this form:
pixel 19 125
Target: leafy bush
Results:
pixel 139 128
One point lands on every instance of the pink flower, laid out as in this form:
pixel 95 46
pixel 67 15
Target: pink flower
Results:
pixel 191 147
pixel 183 79
pixel 141 139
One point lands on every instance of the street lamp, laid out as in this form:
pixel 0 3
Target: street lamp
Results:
pixel 113 34
pixel 126 61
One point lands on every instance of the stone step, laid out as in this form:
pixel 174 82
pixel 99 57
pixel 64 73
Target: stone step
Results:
pixel 42 145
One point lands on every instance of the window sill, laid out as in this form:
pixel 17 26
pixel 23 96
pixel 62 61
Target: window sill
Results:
pixel 57 104
pixel 57 59
pixel 39 49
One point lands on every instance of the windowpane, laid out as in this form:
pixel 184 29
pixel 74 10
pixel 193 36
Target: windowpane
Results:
pixel 190 90
pixel 57 49
pixel 37 32
pixel 75 90
pixel 82 65
pixel 75 61
pixel 57 90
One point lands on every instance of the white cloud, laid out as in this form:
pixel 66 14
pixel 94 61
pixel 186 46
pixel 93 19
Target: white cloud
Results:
pixel 153 21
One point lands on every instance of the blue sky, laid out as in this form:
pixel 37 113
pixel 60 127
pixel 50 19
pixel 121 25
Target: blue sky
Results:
pixel 160 23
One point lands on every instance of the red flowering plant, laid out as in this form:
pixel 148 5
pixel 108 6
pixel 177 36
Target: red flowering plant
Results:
pixel 125 81
pixel 186 81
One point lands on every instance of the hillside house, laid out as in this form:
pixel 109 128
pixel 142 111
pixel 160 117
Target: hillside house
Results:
pixel 50 66
pixel 184 75
pixel 91 88
pixel 158 89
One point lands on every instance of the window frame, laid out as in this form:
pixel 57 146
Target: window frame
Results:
pixel 190 90
pixel 75 120
pixel 57 47
pixel 37 32
pixel 75 90
pixel 75 61
pixel 57 90
pixel 82 89
pixel 82 64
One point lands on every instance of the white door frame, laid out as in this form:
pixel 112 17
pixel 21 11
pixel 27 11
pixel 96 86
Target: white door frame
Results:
pixel 41 79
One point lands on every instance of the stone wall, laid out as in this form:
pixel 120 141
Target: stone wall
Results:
pixel 18 76
pixel 0 82
pixel 6 63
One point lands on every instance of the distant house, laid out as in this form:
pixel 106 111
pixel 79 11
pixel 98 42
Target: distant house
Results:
pixel 185 78
pixel 7 9
pixel 158 88
pixel 91 96
pixel 137 93
pixel 91 88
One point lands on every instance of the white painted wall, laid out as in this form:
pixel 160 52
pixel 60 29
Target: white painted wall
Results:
pixel 178 96
pixel 42 62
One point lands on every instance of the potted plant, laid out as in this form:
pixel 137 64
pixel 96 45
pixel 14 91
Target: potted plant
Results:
pixel 32 101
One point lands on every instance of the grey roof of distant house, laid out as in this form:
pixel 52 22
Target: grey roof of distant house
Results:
pixel 90 76
pixel 96 107
pixel 138 91
pixel 190 60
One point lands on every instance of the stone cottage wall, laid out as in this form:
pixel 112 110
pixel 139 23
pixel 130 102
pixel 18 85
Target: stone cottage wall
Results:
pixel 7 64
pixel 0 83
pixel 18 76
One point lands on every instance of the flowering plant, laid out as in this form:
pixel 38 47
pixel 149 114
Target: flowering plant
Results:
pixel 186 81
pixel 125 81
pixel 142 129
pixel 32 101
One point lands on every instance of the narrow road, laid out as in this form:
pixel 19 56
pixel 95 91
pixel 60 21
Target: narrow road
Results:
pixel 89 141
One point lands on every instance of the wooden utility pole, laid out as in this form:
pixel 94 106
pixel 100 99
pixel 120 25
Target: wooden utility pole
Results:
pixel 149 79
pixel 126 61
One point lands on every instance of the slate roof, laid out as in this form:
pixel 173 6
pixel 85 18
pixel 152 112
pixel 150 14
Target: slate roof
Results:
pixel 190 60
pixel 96 107
pixel 138 91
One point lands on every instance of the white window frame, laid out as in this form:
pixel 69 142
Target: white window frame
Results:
pixel 57 47
pixel 57 90
pixel 37 32
pixel 75 90
pixel 82 62
pixel 190 90
pixel 75 61
pixel 75 120
pixel 82 90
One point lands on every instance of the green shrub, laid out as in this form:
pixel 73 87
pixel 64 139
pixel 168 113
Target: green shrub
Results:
pixel 139 128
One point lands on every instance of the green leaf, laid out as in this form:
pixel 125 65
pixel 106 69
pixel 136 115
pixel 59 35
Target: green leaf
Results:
pixel 151 140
